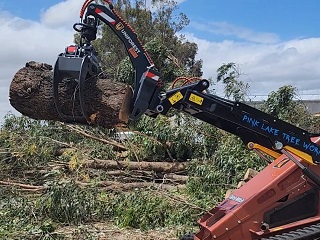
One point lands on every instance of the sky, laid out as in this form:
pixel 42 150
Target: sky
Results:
pixel 273 42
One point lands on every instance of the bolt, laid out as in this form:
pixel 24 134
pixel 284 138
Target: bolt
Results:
pixel 159 108
pixel 278 145
pixel 162 96
pixel 205 83
pixel 265 226
pixel 250 145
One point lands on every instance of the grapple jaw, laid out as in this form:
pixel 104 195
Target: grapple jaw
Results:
pixel 78 64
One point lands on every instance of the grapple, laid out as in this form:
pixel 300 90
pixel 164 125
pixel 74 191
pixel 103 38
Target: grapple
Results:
pixel 76 64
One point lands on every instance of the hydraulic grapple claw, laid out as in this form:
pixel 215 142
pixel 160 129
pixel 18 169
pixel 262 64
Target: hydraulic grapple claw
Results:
pixel 74 65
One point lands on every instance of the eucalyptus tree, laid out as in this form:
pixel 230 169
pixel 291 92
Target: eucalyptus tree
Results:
pixel 157 25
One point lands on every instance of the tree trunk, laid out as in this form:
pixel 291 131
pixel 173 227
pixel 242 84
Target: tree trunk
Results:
pixel 31 94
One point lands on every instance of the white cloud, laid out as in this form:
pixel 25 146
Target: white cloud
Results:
pixel 227 29
pixel 266 67
pixel 160 4
pixel 24 40
pixel 63 14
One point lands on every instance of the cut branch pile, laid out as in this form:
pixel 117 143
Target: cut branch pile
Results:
pixel 122 175
pixel 118 175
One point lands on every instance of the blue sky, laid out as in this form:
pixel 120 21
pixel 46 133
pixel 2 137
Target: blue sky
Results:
pixel 27 9
pixel 274 42
pixel 283 19
pixel 286 18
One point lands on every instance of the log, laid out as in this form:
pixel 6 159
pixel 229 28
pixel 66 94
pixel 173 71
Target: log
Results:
pixel 31 94
pixel 164 167
pixel 23 186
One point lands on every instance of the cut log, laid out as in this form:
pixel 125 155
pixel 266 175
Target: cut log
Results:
pixel 31 94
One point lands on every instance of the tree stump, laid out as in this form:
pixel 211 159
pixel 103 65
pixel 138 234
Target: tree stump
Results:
pixel 31 93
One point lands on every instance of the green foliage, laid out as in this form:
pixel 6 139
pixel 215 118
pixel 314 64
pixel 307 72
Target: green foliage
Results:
pixel 19 219
pixel 157 29
pixel 31 145
pixel 172 62
pixel 147 210
pixel 285 104
pixel 69 204
pixel 65 203
pixel 159 52
pixel 234 88
pixel 166 25
pixel 125 72
pixel 211 178
pixel 180 137
pixel 21 145
pixel 281 103
pixel 233 159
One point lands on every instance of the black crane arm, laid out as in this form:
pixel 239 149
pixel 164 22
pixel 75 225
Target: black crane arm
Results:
pixel 250 124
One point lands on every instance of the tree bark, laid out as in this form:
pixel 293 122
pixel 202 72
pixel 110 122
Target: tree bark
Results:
pixel 31 94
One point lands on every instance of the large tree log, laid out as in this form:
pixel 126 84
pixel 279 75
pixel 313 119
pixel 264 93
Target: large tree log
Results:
pixel 31 94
